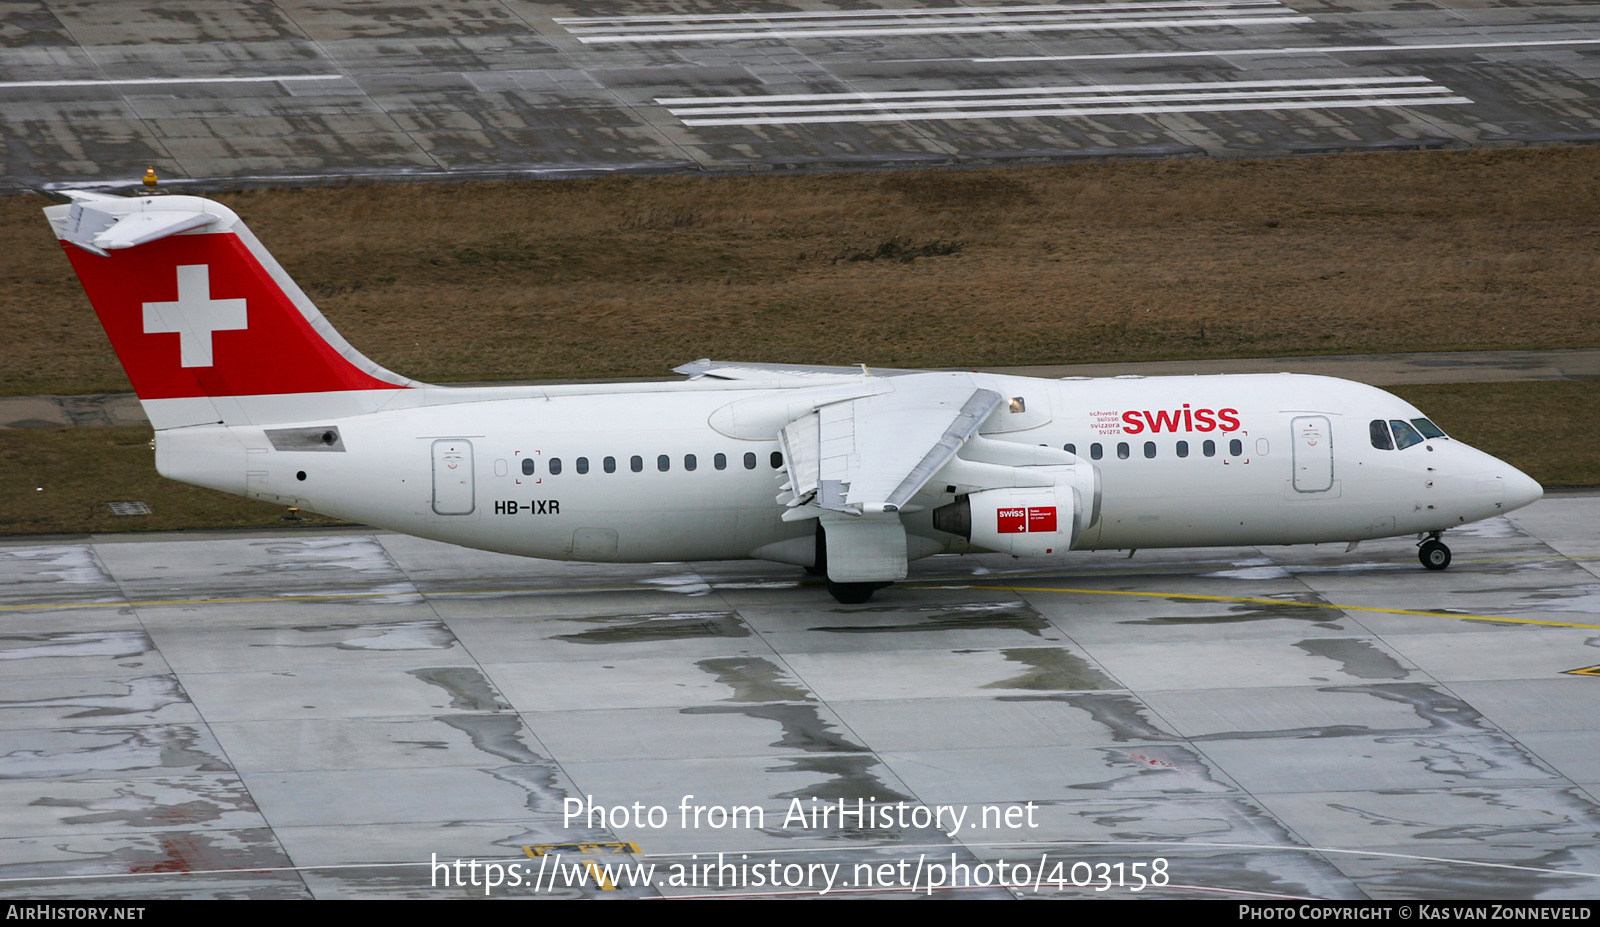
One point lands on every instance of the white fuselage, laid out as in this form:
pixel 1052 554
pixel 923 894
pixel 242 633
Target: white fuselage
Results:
pixel 1291 462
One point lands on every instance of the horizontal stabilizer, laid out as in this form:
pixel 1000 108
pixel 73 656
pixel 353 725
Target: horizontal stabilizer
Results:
pixel 99 229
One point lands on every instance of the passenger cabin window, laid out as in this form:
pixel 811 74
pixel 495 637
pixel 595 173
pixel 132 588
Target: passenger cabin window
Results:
pixel 583 465
pixel 1070 448
pixel 554 465
pixel 720 461
pixel 1183 449
pixel 663 463
pixel 749 461
pixel 610 464
pixel 1235 447
pixel 1149 449
pixel 1096 451
pixel 777 460
pixel 1428 429
pixel 636 463
pixel 1209 448
pixel 689 462
pixel 1379 429
pixel 1404 434
pixel 527 466
pixel 1122 450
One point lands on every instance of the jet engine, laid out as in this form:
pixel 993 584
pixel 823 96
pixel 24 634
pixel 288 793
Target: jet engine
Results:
pixel 1028 521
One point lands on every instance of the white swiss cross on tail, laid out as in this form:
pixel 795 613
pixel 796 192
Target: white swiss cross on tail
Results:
pixel 195 317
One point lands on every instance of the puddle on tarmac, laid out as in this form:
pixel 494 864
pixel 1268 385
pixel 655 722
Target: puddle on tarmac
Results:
pixel 498 734
pixel 468 689
pixel 849 778
pixel 1124 716
pixel 803 727
pixel 1241 612
pixel 755 679
pixel 630 629
pixel 1438 713
pixel 1356 657
pixel 142 695
pixel 986 616
pixel 113 644
pixel 1052 668
pixel 429 634
pixel 94 752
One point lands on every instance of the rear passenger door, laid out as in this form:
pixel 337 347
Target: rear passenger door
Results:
pixel 453 488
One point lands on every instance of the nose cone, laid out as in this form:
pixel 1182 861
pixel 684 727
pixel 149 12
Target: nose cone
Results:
pixel 1521 489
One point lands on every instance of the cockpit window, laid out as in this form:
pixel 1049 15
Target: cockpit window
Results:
pixel 1404 434
pixel 1380 435
pixel 1428 429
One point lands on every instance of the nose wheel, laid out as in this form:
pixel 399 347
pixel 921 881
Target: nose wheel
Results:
pixel 1433 553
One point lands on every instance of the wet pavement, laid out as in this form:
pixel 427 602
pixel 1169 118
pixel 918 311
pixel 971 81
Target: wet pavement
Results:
pixel 274 715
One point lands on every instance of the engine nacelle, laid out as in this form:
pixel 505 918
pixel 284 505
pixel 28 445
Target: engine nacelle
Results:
pixel 1028 521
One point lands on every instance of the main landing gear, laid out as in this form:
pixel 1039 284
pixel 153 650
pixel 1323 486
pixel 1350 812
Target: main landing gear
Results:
pixel 1432 552
pixel 843 593
pixel 853 593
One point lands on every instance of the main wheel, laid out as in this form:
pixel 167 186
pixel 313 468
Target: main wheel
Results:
pixel 853 593
pixel 1434 555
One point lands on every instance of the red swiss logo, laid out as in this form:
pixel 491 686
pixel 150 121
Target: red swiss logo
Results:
pixel 1031 520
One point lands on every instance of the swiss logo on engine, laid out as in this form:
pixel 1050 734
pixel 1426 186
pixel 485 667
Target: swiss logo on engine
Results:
pixel 1025 520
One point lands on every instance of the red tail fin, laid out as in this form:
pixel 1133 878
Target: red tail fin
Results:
pixel 197 310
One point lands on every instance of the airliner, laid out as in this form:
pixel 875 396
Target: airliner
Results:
pixel 849 473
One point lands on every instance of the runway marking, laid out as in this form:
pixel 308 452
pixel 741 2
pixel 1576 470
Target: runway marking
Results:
pixel 7 85
pixel 906 13
pixel 711 27
pixel 1260 601
pixel 1288 50
pixel 1586 671
pixel 1083 100
pixel 1020 91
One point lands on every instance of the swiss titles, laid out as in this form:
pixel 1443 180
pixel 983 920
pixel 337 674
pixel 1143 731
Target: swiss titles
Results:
pixel 1176 420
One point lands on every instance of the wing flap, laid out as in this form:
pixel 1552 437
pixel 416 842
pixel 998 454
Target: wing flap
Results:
pixel 872 454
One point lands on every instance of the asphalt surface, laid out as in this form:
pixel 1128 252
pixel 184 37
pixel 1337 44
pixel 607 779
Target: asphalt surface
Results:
pixel 266 714
pixel 274 92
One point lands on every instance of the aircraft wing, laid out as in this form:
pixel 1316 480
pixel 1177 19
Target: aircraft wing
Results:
pixel 871 455
pixel 724 370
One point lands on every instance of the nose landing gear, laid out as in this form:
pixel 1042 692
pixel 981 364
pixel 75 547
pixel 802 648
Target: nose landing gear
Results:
pixel 1433 553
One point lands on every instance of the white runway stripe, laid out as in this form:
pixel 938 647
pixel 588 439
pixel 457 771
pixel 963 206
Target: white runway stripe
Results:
pixel 939 21
pixel 1293 50
pixel 1104 100
pixel 1080 100
pixel 1023 91
pixel 5 85
pixel 929 11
